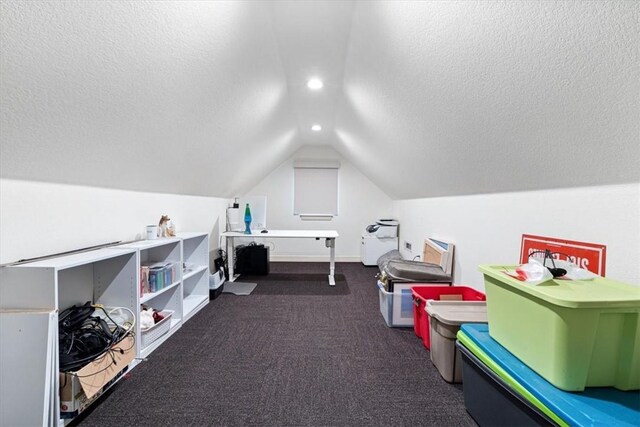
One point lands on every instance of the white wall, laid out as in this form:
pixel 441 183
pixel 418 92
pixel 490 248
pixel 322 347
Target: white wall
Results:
pixel 487 228
pixel 39 219
pixel 360 202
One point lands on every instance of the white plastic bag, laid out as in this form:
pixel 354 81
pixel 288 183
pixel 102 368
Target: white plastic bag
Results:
pixel 573 271
pixel 533 272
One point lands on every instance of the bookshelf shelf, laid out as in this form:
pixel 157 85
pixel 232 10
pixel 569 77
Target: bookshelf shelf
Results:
pixel 34 293
pixel 104 276
pixel 194 271
pixel 195 284
pixel 147 297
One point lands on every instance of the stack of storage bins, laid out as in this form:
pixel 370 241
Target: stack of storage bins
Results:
pixel 446 317
pixel 397 304
pixel 501 390
pixel 398 276
pixel 545 342
pixel 446 293
pixel 438 312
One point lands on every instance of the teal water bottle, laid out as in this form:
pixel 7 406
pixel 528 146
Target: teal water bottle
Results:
pixel 247 219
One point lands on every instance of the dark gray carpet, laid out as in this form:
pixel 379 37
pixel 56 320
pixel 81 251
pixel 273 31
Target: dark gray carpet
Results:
pixel 295 352
pixel 300 284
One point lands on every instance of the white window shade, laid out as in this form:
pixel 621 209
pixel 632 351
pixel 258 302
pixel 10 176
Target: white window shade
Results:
pixel 315 188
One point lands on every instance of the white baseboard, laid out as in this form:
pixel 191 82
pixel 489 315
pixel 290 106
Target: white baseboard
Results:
pixel 311 258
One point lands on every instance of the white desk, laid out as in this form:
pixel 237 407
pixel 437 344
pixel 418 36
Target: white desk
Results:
pixel 329 236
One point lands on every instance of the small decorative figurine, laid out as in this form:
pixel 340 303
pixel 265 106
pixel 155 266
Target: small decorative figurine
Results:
pixel 167 228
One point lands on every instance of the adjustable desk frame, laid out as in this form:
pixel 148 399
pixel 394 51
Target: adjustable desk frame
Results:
pixel 329 236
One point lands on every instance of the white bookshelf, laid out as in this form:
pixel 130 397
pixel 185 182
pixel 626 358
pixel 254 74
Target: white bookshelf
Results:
pixel 29 341
pixel 104 276
pixel 33 294
pixel 169 297
pixel 195 277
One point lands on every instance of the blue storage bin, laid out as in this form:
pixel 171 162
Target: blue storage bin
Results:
pixel 601 406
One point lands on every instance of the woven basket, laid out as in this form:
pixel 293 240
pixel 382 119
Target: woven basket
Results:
pixel 157 330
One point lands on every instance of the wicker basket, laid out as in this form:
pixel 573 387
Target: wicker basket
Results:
pixel 157 330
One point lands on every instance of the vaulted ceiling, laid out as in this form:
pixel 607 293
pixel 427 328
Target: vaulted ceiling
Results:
pixel 425 98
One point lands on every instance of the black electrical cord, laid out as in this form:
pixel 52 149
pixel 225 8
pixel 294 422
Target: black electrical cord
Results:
pixel 90 342
pixel 84 338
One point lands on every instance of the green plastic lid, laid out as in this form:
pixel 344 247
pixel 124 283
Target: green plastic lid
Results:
pixel 599 292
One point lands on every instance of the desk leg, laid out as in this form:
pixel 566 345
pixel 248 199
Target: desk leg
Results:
pixel 331 244
pixel 230 258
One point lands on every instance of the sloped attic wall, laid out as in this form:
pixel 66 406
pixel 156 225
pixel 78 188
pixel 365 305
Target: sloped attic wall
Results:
pixel 152 96
pixel 475 97
pixel 494 119
pixel 440 98
pixel 177 100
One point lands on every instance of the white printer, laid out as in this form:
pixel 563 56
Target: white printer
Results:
pixel 379 239
pixel 383 228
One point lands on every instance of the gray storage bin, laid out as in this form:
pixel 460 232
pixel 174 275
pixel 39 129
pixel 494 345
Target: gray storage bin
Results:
pixel 445 318
pixel 416 271
pixel 393 269
pixel 393 255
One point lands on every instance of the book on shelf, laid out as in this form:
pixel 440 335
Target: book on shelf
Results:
pixel 144 280
pixel 167 274
pixel 160 275
pixel 156 278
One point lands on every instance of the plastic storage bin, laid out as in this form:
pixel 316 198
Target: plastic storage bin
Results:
pixel 397 306
pixel 575 334
pixel 215 293
pixel 490 401
pixel 445 320
pixel 595 406
pixel 216 284
pixel 423 293
pixel 415 272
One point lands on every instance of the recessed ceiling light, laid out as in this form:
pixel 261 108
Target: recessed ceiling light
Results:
pixel 315 84
pixel 316 128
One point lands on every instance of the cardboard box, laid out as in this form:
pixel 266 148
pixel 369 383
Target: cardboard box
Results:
pixel 453 297
pixel 79 389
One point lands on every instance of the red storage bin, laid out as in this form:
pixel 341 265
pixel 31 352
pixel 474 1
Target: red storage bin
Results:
pixel 422 293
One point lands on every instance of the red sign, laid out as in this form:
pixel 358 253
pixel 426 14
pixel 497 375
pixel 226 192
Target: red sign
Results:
pixel 590 256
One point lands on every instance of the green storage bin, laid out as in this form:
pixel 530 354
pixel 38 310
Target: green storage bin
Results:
pixel 575 334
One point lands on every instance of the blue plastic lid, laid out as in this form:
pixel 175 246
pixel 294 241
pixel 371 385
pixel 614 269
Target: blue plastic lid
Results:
pixel 596 406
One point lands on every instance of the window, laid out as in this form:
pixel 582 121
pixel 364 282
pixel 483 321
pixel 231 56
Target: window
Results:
pixel 315 188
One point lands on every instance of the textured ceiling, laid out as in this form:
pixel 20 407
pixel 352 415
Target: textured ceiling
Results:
pixel 176 97
pixel 313 39
pixel 447 98
pixel 425 98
